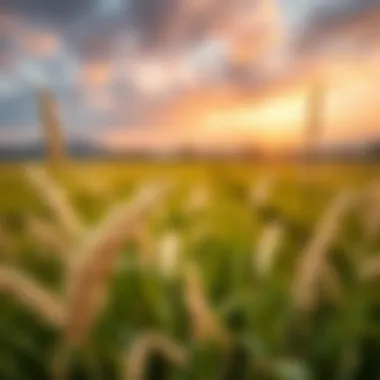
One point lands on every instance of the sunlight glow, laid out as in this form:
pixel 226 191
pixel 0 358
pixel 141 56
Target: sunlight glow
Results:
pixel 271 116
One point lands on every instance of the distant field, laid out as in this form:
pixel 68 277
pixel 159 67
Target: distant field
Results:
pixel 118 176
pixel 235 271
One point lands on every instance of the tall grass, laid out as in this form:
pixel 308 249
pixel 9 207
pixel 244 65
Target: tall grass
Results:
pixel 222 288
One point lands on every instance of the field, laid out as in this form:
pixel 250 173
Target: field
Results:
pixel 190 271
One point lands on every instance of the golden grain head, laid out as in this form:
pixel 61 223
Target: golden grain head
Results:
pixel 57 200
pixel 313 259
pixel 265 251
pixel 205 324
pixel 94 260
pixel 33 295
pixel 168 253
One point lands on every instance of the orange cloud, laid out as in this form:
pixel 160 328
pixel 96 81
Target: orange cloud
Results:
pixel 356 35
pixel 277 120
pixel 97 74
pixel 276 113
pixel 41 43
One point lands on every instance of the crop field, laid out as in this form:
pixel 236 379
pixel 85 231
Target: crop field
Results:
pixel 179 271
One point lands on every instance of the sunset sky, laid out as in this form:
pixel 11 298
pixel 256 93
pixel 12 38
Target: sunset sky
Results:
pixel 168 73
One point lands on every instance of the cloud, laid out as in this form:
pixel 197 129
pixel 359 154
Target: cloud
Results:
pixel 333 18
pixel 161 76
pixel 54 10
pixel 122 62
pixel 9 24
pixel 97 74
pixel 151 19
pixel 9 27
pixel 40 43
pixel 32 55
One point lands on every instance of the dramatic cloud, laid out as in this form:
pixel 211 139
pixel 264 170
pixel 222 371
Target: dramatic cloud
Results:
pixel 97 74
pixel 129 63
pixel 335 16
pixel 41 44
pixel 47 10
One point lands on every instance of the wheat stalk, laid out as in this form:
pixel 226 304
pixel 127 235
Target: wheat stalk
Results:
pixel 168 250
pixel 204 322
pixel 312 259
pixel 57 200
pixel 265 252
pixel 93 261
pixel 144 346
pixel 32 295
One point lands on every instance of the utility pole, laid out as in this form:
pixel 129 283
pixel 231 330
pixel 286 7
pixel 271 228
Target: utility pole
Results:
pixel 51 127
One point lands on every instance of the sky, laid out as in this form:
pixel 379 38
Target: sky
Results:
pixel 131 73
